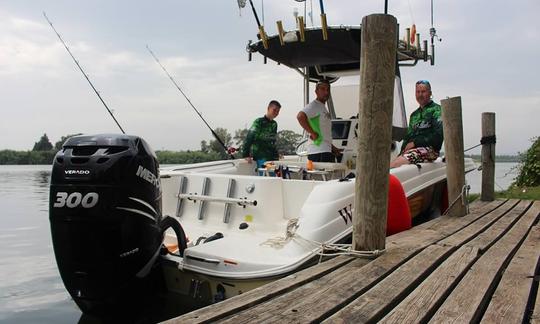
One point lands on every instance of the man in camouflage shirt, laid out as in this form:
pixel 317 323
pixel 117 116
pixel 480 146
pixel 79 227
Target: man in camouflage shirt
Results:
pixel 424 137
pixel 260 142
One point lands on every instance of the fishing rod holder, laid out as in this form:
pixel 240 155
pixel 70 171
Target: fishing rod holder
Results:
pixel 240 201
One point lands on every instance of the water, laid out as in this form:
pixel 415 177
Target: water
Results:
pixel 31 290
pixel 505 173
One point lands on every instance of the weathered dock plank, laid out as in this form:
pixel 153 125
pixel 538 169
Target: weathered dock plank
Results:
pixel 468 301
pixel 321 292
pixel 402 246
pixel 334 291
pixel 445 226
pixel 316 296
pixel 510 300
pixel 420 305
pixel 470 232
pixel 218 311
pixel 377 301
pixel 426 298
pixel 372 305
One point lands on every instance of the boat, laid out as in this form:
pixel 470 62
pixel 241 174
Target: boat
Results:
pixel 210 231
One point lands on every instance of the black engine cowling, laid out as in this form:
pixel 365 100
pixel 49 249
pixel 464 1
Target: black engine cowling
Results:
pixel 105 215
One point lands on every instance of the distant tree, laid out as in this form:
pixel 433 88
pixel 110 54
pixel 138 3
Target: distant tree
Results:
pixel 240 137
pixel 287 140
pixel 43 144
pixel 183 157
pixel 204 146
pixel 214 146
pixel 63 139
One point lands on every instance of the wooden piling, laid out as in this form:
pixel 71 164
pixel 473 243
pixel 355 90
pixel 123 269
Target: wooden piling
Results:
pixel 488 158
pixel 453 150
pixel 377 73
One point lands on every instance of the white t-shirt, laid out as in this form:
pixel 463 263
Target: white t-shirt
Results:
pixel 319 119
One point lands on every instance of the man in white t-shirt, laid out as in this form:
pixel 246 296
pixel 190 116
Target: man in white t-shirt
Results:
pixel 315 119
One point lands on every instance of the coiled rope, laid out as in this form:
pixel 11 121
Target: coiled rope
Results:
pixel 317 248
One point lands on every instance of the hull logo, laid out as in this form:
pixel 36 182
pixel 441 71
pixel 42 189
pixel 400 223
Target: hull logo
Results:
pixel 77 172
pixel 346 213
pixel 148 176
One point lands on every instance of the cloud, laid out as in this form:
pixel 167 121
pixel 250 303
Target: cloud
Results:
pixel 23 46
pixel 491 65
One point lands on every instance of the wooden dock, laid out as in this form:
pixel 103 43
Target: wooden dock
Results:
pixel 483 267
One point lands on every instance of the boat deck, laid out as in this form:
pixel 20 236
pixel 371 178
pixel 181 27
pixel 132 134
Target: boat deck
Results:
pixel 480 267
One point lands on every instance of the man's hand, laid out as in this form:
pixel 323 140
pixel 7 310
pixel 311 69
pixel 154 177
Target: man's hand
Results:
pixel 313 136
pixel 409 146
pixel 336 151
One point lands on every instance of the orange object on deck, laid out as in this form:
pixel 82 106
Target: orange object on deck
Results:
pixel 309 165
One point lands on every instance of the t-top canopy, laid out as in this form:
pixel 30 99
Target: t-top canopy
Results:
pixel 337 56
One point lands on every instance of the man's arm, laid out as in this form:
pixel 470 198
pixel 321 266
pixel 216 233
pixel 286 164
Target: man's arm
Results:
pixel 303 121
pixel 337 152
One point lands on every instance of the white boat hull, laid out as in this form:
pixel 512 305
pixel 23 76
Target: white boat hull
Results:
pixel 285 229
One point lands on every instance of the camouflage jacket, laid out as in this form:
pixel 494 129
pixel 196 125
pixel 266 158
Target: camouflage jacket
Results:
pixel 260 142
pixel 425 128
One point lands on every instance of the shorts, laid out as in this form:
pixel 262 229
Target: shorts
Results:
pixel 420 154
pixel 322 157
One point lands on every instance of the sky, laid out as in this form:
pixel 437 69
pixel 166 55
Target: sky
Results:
pixel 488 55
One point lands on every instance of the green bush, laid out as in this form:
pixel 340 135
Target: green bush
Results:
pixel 26 157
pixel 529 168
pixel 186 157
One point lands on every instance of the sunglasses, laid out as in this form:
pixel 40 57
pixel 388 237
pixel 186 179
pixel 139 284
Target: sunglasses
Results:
pixel 423 82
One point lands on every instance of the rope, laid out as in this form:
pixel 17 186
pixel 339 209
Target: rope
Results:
pixel 488 140
pixel 340 249
pixel 464 201
pixel 472 147
pixel 279 242
pixel 484 140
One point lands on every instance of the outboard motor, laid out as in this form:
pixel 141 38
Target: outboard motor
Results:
pixel 106 223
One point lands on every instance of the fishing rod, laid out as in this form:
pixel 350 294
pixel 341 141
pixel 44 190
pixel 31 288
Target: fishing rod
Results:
pixel 262 33
pixel 82 71
pixel 227 150
pixel 433 34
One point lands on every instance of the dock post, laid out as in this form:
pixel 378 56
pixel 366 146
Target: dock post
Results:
pixel 377 75
pixel 488 157
pixel 453 150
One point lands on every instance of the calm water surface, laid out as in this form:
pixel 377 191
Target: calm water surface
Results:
pixel 31 290
pixel 505 173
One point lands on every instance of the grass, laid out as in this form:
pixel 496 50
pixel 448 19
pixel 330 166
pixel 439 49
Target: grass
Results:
pixel 529 193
